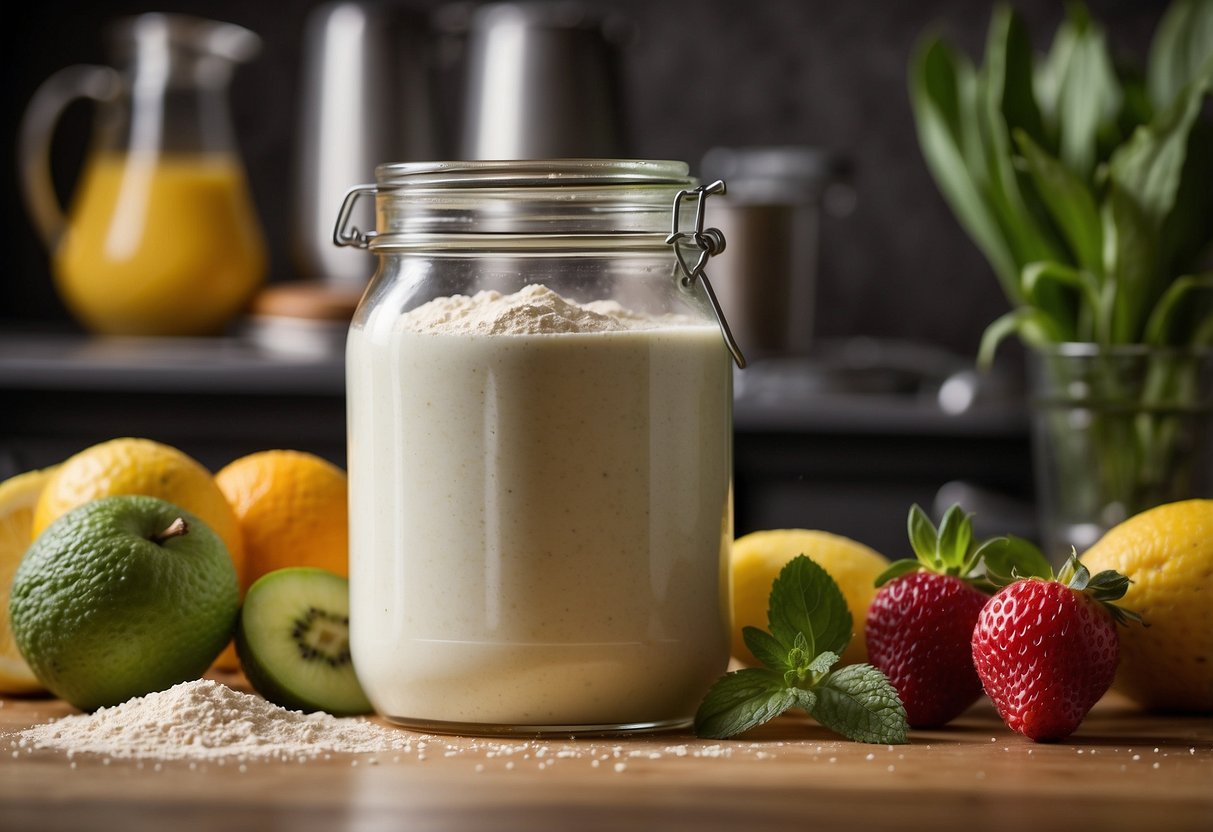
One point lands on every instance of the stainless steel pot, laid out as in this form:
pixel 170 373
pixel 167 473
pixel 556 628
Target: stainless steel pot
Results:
pixel 366 98
pixel 542 83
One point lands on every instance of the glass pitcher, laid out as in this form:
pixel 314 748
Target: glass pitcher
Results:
pixel 161 237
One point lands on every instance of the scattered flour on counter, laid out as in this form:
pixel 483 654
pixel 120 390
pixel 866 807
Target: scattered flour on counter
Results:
pixel 206 720
pixel 535 310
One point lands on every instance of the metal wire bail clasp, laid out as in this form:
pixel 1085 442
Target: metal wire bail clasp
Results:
pixel 354 236
pixel 706 243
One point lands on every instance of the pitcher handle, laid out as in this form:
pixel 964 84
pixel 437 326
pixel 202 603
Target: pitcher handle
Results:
pixel 100 83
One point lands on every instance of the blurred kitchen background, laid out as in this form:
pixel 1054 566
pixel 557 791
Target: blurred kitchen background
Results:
pixel 861 404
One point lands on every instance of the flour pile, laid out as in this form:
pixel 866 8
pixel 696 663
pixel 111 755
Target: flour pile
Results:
pixel 535 310
pixel 205 720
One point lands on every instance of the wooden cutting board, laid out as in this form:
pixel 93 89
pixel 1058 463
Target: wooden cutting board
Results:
pixel 1122 770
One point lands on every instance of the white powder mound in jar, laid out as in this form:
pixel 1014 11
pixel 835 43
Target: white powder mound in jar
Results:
pixel 206 720
pixel 535 310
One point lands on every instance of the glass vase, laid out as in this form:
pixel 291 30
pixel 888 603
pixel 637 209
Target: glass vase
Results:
pixel 1116 430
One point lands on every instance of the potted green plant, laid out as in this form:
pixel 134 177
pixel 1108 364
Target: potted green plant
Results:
pixel 1088 186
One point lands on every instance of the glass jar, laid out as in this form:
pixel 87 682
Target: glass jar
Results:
pixel 1117 429
pixel 540 450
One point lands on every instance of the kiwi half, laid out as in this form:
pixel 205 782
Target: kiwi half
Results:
pixel 294 641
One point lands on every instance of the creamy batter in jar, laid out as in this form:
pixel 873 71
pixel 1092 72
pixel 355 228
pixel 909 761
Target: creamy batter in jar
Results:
pixel 540 475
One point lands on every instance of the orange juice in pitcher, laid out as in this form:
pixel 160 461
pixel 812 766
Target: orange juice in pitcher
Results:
pixel 161 237
pixel 159 246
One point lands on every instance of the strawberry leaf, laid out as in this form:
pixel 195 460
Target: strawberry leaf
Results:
pixel 1008 559
pixel 955 534
pixel 1108 586
pixel 924 537
pixel 896 569
pixel 1073 574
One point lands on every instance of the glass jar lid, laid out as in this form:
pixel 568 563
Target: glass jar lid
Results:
pixel 449 204
pixel 560 206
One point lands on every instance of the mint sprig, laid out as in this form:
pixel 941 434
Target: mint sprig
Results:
pixel 810 628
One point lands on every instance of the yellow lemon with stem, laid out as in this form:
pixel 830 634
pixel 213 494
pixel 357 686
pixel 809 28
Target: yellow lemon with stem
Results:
pixel 1167 553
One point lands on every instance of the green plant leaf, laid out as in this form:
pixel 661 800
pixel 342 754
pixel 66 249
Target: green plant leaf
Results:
pixel 1149 166
pixel 1033 326
pixel 924 537
pixel 1158 327
pixel 1037 276
pixel 823 663
pixel 1090 98
pixel 1070 203
pixel 803 698
pixel 805 601
pixel 766 648
pixel 860 703
pixel 1050 73
pixel 742 700
pixel 896 569
pixel 937 76
pixel 1158 217
pixel 1009 72
pixel 1008 102
pixel 1187 232
pixel 1009 558
pixel 1131 245
pixel 955 535
pixel 1183 42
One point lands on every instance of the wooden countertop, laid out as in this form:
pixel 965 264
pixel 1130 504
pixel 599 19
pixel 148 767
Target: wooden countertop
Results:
pixel 1122 770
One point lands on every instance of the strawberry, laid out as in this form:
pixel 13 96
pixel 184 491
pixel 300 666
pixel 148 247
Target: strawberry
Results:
pixel 1046 648
pixel 920 623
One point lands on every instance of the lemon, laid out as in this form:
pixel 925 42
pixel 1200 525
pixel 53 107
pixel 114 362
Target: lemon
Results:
pixel 121 597
pixel 140 466
pixel 1167 552
pixel 758 557
pixel 293 510
pixel 17 499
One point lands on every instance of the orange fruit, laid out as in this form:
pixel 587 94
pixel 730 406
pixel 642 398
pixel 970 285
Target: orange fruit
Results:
pixel 140 466
pixel 293 511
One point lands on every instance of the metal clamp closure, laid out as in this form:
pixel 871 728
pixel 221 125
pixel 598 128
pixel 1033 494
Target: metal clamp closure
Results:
pixel 353 236
pixel 703 243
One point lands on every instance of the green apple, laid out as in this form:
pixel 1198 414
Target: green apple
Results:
pixel 121 597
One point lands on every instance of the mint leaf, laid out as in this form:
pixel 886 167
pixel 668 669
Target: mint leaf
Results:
pixel 858 702
pixel 766 648
pixel 823 663
pixel 743 700
pixel 805 601
pixel 804 698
